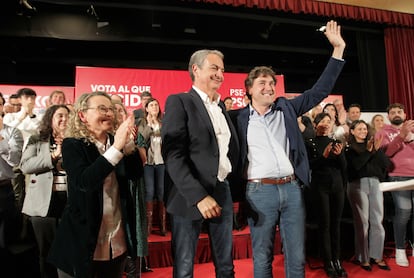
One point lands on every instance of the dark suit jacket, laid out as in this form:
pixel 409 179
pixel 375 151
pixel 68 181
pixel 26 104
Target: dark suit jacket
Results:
pixel 291 108
pixel 76 237
pixel 190 152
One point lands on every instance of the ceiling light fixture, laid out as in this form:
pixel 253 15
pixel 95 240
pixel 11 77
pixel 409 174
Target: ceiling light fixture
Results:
pixel 190 30
pixel 91 11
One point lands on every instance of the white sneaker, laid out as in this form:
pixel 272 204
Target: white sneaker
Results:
pixel 401 257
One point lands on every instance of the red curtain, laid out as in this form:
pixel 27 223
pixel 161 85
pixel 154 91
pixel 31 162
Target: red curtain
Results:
pixel 400 66
pixel 323 9
pixel 398 37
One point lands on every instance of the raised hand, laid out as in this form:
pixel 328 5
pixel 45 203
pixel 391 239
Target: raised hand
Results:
pixel 333 33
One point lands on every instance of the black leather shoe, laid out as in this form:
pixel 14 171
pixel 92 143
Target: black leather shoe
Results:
pixel 366 267
pixel 340 271
pixel 381 264
pixel 330 270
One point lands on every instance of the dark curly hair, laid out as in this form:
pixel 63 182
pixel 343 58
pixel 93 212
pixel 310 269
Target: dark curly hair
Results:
pixel 46 129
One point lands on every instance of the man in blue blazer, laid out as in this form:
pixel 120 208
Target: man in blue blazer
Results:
pixel 200 149
pixel 274 163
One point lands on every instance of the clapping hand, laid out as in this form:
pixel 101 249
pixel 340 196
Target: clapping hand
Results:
pixel 406 130
pixel 334 148
pixel 374 144
pixel 123 133
pixel 337 148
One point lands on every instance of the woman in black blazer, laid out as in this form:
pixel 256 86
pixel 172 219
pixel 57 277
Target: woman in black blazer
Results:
pixel 97 230
pixel 328 163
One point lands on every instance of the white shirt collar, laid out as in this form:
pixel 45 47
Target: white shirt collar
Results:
pixel 205 97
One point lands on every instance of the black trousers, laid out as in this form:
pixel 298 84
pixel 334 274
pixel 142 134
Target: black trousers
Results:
pixel 8 225
pixel 8 214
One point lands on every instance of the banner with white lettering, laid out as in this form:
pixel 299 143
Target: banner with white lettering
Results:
pixel 42 93
pixel 130 83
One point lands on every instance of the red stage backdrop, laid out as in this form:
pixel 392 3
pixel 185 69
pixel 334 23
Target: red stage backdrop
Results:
pixel 42 92
pixel 130 83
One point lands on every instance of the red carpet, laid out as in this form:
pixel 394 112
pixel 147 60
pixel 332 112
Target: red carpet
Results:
pixel 244 269
pixel 160 259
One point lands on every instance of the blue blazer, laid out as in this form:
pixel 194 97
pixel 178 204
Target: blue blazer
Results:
pixel 191 153
pixel 292 109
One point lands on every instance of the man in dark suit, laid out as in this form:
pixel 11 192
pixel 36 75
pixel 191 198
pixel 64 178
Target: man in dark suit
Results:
pixel 200 147
pixel 274 161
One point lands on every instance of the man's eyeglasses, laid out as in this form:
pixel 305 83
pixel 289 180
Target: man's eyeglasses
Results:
pixel 103 109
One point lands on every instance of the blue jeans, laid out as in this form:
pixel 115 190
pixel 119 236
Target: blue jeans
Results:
pixel 154 182
pixel 269 205
pixel 403 203
pixel 185 233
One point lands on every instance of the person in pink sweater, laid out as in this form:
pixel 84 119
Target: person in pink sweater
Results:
pixel 398 143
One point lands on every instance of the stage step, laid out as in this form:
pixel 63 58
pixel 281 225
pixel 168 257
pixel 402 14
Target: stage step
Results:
pixel 160 248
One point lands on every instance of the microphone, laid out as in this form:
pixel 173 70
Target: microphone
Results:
pixel 321 29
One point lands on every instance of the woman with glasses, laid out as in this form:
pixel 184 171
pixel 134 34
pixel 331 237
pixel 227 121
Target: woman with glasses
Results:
pixel 97 230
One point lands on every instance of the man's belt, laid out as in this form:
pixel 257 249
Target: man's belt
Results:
pixel 277 181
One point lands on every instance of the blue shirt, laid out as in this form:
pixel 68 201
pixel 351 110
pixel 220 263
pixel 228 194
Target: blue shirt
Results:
pixel 268 146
